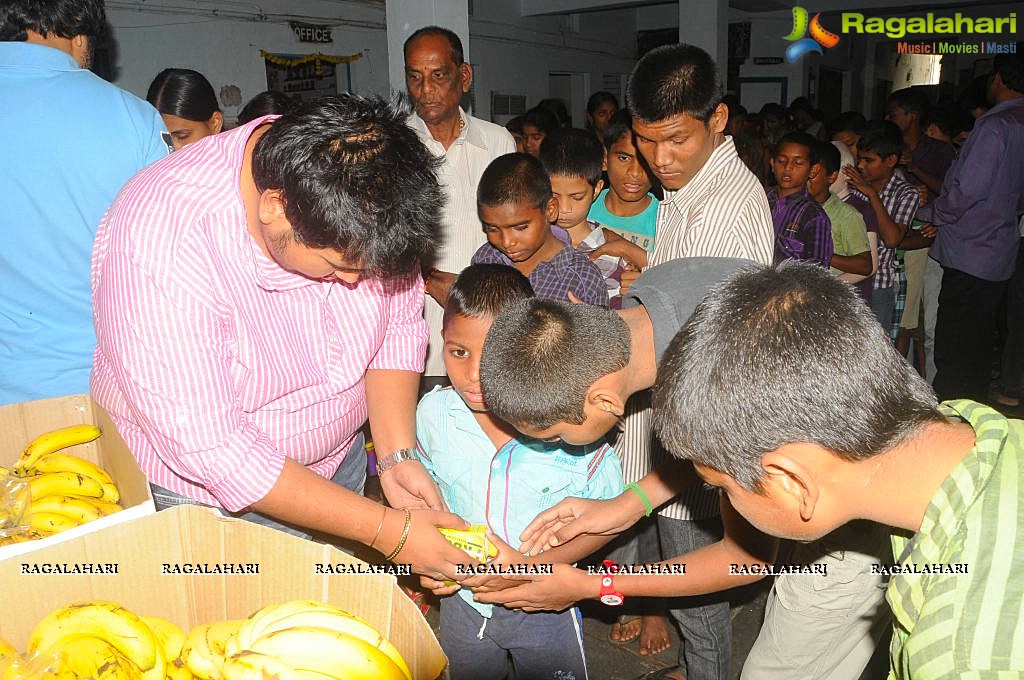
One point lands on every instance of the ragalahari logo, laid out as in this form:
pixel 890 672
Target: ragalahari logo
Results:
pixel 819 36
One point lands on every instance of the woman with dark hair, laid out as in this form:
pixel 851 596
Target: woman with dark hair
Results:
pixel 264 104
pixel 600 108
pixel 187 103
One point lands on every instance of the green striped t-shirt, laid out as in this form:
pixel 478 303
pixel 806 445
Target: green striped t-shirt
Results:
pixel 966 625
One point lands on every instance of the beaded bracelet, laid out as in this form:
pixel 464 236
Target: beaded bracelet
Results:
pixel 405 535
pixel 635 488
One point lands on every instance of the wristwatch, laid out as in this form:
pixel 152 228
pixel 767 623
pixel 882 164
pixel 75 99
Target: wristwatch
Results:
pixel 608 594
pixel 385 463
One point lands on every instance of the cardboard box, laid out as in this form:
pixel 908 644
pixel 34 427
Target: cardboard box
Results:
pixel 21 423
pixel 288 569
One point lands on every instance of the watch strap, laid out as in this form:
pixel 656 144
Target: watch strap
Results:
pixel 386 462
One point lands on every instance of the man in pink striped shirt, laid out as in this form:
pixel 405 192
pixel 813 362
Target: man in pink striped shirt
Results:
pixel 256 298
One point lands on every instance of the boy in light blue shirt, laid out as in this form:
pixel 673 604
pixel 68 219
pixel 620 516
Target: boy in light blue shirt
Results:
pixel 488 474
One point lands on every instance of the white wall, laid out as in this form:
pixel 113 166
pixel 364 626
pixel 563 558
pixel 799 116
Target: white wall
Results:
pixel 512 54
pixel 227 50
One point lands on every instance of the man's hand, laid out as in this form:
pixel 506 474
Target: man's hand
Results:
pixel 857 181
pixel 409 485
pixel 574 516
pixel 559 590
pixel 426 550
pixel 437 283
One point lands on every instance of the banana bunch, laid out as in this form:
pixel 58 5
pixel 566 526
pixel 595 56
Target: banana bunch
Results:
pixel 297 640
pixel 66 490
pixel 100 640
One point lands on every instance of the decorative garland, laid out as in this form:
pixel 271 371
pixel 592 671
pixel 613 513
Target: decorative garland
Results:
pixel 315 57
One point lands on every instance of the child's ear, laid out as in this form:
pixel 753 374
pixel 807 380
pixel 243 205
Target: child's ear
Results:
pixel 604 161
pixel 816 169
pixel 892 160
pixel 606 400
pixel 551 212
pixel 598 186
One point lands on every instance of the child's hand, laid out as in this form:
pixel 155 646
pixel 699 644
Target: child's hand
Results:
pixel 857 181
pixel 632 254
pixel 439 588
pixel 491 583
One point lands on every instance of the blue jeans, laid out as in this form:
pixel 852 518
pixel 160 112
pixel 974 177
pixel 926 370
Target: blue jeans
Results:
pixel 705 629
pixel 542 645
pixel 351 474
pixel 883 304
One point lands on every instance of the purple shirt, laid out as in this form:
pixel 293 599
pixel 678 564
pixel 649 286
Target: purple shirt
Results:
pixel 802 229
pixel 982 197
pixel 568 270
pixel 934 157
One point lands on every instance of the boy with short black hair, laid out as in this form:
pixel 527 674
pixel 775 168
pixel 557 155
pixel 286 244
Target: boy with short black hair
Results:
pixel 894 202
pixel 490 476
pixel 626 206
pixel 516 208
pixel 802 229
pixel 851 251
pixel 574 161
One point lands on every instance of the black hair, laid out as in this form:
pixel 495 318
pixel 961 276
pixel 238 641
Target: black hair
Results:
pixel 883 137
pixel 484 290
pixel 621 123
pixel 848 121
pixel 781 338
pixel 672 80
pixel 828 155
pixel 601 97
pixel 803 139
pixel 61 18
pixel 516 178
pixel 542 356
pixel 542 119
pixel 1010 68
pixel 354 177
pixel 183 93
pixel 264 104
pixel 910 100
pixel 515 125
pixel 572 152
pixel 558 109
pixel 458 56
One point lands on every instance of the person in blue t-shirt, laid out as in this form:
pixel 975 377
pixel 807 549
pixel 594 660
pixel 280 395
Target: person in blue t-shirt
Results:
pixel 71 141
pixel 488 474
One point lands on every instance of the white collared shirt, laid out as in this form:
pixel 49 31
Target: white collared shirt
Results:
pixel 479 142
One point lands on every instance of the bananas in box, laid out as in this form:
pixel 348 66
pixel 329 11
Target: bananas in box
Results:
pixel 65 490
pixel 473 541
pixel 297 640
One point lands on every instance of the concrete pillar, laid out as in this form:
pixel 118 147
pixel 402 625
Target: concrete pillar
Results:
pixel 404 17
pixel 705 23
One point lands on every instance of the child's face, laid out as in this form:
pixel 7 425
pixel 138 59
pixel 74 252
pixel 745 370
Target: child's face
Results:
pixel 819 183
pixel 792 168
pixel 626 175
pixel 873 167
pixel 520 141
pixel 574 196
pixel 601 115
pixel 463 345
pixel 596 424
pixel 533 136
pixel 519 230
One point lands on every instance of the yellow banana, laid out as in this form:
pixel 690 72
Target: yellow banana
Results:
pixel 105 507
pixel 205 648
pixel 321 615
pixel 246 665
pixel 77 508
pixel 54 441
pixel 334 654
pixel 93 658
pixel 120 628
pixel 177 670
pixel 10 661
pixel 65 462
pixel 52 522
pixel 64 484
pixel 171 637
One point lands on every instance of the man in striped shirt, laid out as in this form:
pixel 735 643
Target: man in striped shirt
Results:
pixel 256 298
pixel 869 442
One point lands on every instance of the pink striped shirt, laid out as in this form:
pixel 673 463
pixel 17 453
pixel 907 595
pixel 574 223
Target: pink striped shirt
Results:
pixel 215 363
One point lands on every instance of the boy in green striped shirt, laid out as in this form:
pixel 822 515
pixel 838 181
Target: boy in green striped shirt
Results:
pixel 843 428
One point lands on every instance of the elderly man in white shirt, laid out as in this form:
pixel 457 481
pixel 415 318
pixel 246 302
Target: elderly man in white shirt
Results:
pixel 436 77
